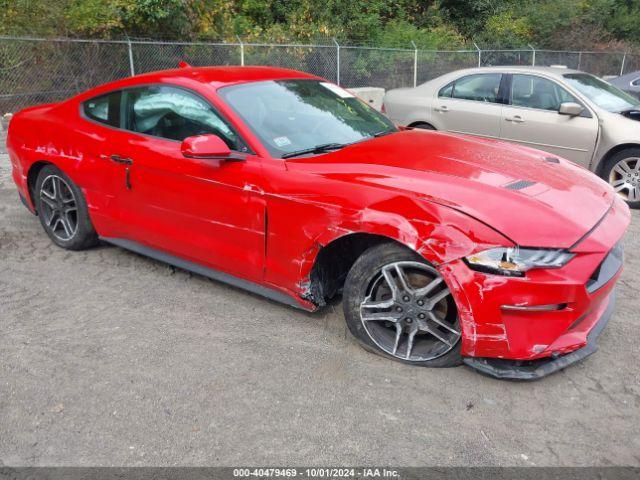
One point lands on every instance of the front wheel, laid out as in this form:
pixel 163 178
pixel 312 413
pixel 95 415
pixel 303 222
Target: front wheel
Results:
pixel 622 171
pixel 397 305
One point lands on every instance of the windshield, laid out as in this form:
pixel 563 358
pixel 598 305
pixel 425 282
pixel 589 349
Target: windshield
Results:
pixel 603 94
pixel 291 116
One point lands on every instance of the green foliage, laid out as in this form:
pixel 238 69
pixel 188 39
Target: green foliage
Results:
pixel 149 17
pixel 94 18
pixel 28 17
pixel 431 24
pixel 505 29
pixel 400 33
pixel 622 19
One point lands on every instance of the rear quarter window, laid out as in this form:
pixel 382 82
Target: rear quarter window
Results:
pixel 104 109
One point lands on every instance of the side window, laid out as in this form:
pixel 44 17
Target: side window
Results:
pixel 636 82
pixel 481 87
pixel 535 92
pixel 104 109
pixel 175 114
pixel 446 91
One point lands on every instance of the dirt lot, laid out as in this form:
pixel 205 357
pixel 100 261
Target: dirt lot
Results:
pixel 109 358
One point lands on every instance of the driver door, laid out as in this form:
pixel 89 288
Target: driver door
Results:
pixel 209 211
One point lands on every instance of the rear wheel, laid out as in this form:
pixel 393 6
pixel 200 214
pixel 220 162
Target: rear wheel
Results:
pixel 62 210
pixel 398 305
pixel 622 171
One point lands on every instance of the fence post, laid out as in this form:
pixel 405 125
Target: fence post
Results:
pixel 415 64
pixel 624 59
pixel 241 50
pixel 533 59
pixel 337 60
pixel 479 54
pixel 131 67
pixel 579 59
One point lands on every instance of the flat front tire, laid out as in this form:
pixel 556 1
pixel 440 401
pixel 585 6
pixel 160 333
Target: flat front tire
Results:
pixel 398 306
pixel 62 210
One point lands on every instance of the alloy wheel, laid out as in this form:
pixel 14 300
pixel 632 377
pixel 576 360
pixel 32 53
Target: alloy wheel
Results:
pixel 59 207
pixel 410 313
pixel 625 178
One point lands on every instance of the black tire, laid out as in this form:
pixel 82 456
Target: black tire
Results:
pixel 424 126
pixel 630 157
pixel 363 277
pixel 65 219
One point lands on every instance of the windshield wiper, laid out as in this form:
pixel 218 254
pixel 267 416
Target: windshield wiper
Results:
pixel 324 148
pixel 328 147
pixel 383 133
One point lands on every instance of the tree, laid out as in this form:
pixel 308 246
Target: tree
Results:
pixel 563 24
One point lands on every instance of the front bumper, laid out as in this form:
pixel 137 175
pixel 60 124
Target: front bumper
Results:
pixel 527 327
pixel 536 369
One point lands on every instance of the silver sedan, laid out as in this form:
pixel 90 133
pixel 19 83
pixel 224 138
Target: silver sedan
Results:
pixel 565 112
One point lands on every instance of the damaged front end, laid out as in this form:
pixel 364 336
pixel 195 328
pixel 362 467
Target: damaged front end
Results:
pixel 535 369
pixel 526 327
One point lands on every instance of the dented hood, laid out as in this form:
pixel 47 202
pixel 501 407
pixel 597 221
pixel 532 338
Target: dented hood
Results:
pixel 532 197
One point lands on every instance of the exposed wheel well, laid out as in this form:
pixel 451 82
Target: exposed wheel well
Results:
pixel 618 148
pixel 422 125
pixel 32 176
pixel 334 260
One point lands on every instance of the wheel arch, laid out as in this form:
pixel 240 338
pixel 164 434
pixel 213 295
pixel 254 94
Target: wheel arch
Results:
pixel 435 232
pixel 32 176
pixel 334 260
pixel 599 170
pixel 417 124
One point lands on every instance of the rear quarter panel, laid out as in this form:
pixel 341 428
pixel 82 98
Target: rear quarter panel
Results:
pixel 30 139
pixel 54 134
pixel 406 106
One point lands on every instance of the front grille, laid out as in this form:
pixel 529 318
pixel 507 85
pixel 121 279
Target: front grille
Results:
pixel 607 269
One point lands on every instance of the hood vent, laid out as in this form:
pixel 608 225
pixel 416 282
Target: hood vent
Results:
pixel 552 159
pixel 519 184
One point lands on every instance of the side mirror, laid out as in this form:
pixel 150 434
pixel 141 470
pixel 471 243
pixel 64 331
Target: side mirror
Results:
pixel 208 146
pixel 570 108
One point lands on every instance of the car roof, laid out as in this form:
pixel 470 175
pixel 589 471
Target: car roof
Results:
pixel 225 75
pixel 438 82
pixel 216 77
pixel 546 71
pixel 553 71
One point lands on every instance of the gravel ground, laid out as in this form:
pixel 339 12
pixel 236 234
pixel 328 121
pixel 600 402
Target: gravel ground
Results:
pixel 109 358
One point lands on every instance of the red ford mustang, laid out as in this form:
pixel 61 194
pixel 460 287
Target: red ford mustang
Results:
pixel 446 249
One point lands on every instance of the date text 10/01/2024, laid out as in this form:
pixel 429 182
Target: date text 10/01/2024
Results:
pixel 317 472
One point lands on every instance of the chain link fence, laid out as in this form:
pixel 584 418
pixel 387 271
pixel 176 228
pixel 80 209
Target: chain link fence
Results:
pixel 36 70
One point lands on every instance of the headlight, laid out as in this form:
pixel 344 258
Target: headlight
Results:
pixel 516 261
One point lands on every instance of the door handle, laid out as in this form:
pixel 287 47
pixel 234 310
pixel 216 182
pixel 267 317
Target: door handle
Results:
pixel 443 109
pixel 514 119
pixel 121 160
